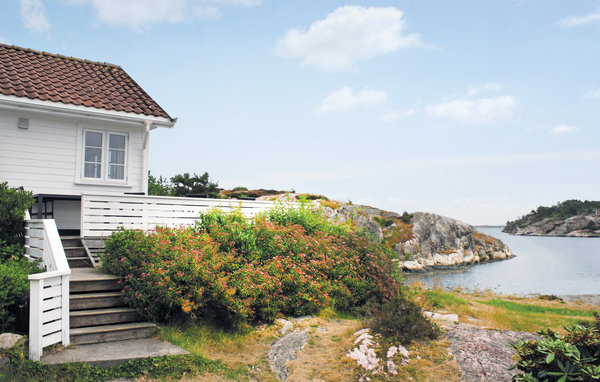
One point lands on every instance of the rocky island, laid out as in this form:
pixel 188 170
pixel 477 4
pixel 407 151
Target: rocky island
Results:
pixel 569 218
pixel 421 240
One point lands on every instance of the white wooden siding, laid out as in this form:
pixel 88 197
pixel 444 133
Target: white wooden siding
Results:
pixel 44 158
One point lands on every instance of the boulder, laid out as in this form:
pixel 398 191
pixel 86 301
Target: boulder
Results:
pixel 8 340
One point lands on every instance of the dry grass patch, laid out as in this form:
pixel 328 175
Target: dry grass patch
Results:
pixel 324 356
pixel 243 354
pixel 435 363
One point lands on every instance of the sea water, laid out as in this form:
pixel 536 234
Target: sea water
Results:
pixel 543 265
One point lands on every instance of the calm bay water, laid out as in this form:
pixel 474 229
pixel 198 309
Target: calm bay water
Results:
pixel 544 265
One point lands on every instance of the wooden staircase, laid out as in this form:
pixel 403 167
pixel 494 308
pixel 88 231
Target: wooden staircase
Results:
pixel 77 257
pixel 98 312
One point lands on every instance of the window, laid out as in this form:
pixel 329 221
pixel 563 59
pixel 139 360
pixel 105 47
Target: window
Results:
pixel 116 156
pixel 104 155
pixel 93 155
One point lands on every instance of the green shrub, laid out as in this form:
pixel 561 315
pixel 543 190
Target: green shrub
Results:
pixel 305 215
pixel 241 271
pixel 401 319
pixel 13 285
pixel 572 357
pixel 14 268
pixel 383 222
pixel 13 204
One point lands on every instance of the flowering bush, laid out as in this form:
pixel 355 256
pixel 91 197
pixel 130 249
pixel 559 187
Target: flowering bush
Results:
pixel 241 271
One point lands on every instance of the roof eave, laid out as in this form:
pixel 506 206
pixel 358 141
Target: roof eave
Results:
pixel 23 103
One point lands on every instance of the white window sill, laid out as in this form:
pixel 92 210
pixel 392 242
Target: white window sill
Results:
pixel 102 183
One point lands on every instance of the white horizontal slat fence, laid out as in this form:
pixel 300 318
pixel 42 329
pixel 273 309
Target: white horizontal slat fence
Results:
pixel 103 214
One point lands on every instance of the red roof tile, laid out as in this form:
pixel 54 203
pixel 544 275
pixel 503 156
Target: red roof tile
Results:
pixel 53 77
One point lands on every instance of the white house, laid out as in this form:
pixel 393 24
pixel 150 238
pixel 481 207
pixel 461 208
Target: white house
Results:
pixel 70 126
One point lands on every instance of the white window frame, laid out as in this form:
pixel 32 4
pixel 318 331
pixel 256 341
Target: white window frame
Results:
pixel 104 164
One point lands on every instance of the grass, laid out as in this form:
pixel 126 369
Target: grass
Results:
pixel 223 355
pixel 527 308
pixel 441 299
pixel 19 368
pixel 502 312
pixel 242 352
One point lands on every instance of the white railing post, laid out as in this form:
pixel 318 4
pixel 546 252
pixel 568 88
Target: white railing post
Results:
pixel 66 330
pixel 35 319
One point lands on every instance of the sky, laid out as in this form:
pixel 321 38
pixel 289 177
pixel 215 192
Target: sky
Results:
pixel 477 110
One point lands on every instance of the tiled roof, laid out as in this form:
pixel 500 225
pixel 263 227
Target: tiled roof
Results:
pixel 52 77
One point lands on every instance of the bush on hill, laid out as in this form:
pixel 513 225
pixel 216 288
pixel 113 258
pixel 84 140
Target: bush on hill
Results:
pixel 241 271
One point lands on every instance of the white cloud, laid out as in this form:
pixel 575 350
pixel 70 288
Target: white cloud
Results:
pixel 474 111
pixel 396 115
pixel 140 14
pixel 348 35
pixel 559 129
pixel 345 99
pixel 575 21
pixel 488 87
pixel 592 94
pixel 4 41
pixel 34 17
pixel 563 129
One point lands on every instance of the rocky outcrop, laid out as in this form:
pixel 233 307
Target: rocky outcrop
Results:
pixel 585 225
pixel 424 240
pixel 443 242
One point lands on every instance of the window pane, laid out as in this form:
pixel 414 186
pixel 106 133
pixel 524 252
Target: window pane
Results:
pixel 91 170
pixel 93 155
pixel 116 172
pixel 116 141
pixel 116 157
pixel 93 139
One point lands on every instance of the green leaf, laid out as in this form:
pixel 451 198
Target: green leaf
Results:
pixel 563 378
pixel 550 358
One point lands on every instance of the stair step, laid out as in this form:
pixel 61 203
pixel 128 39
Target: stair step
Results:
pixel 74 251
pixel 108 316
pixel 97 285
pixel 96 300
pixel 76 262
pixel 70 241
pixel 108 333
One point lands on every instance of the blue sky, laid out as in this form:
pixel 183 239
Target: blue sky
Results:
pixel 478 110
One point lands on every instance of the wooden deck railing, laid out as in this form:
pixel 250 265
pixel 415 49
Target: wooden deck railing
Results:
pixel 49 291
pixel 103 214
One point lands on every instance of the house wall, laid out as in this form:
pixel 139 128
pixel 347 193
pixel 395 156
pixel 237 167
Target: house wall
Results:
pixel 47 158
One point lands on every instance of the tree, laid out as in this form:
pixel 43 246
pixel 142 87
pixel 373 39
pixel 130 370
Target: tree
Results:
pixel 184 184
pixel 160 186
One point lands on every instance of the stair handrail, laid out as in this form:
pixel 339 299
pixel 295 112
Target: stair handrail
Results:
pixel 49 290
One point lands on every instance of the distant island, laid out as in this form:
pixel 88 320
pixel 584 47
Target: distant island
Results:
pixel 569 218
